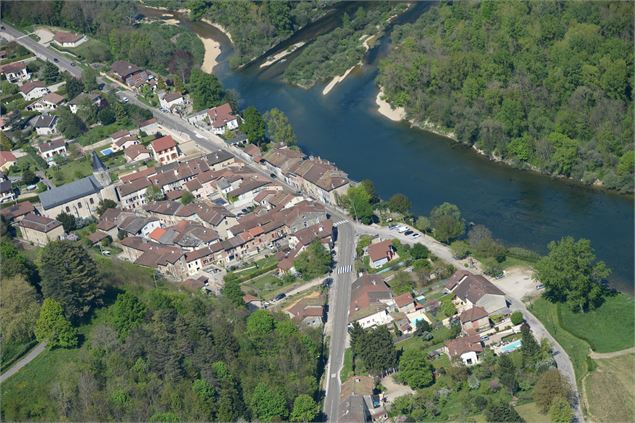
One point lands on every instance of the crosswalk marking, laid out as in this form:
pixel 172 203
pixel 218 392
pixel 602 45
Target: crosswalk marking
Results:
pixel 344 269
pixel 336 224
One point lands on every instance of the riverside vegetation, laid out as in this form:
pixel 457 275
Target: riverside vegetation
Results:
pixel 545 86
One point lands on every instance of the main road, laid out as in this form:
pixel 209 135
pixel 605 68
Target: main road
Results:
pixel 61 61
pixel 339 300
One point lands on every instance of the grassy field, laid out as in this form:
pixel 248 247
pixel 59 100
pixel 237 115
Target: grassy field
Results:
pixel 610 390
pixel 577 348
pixel 347 366
pixel 99 133
pixel 609 328
pixel 71 171
pixel 531 413
pixel 12 352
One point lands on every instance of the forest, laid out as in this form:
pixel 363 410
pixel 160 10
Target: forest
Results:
pixel 544 86
pixel 134 348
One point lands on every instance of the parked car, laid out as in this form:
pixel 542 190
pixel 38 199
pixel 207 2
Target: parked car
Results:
pixel 392 227
pixel 401 229
pixel 540 286
pixel 327 282
pixel 106 252
pixel 279 297
pixel 416 235
pixel 408 232
pixel 55 59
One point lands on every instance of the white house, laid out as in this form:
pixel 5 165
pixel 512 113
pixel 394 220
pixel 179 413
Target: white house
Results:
pixel 136 153
pixel 474 290
pixel 221 118
pixel 466 348
pixel 46 125
pixel 68 39
pixel 48 150
pixel 370 302
pixel 47 103
pixel 33 90
pixel 15 72
pixel 170 100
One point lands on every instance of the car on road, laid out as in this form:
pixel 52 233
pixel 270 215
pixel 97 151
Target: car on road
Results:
pixel 280 297
pixel 2 27
pixel 273 175
pixel 484 338
pixel 72 63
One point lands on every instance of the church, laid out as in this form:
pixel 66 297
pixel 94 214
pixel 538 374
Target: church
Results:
pixel 80 198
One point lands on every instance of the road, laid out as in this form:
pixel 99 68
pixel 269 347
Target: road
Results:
pixel 42 52
pixel 339 301
pixel 37 350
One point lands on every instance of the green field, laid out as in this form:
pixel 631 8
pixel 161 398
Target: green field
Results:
pixel 609 328
pixel 531 413
pixel 12 352
pixel 577 348
pixel 610 390
pixel 347 366
pixel 71 171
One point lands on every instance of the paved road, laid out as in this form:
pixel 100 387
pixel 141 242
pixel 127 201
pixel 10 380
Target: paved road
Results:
pixel 40 174
pixel 37 350
pixel 44 53
pixel 339 301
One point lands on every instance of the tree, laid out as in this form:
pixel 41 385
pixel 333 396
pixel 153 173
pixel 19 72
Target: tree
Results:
pixel 106 116
pixel 14 262
pixel 502 412
pixel 89 79
pixel 121 115
pixel 419 251
pixel 18 310
pixel 74 87
pixel 50 73
pixel 127 313
pixel 507 373
pixel 423 328
pixel 104 205
pixel 375 347
pixel 529 347
pixel 67 221
pixel 415 370
pixel 205 89
pixel 279 127
pixel 561 411
pixel 460 249
pixel 305 409
pixel 399 203
pixel 187 197
pixel 571 274
pixel 550 385
pixel 29 177
pixel 447 307
pixel 358 203
pixel 492 267
pixel 314 261
pixel 401 283
pixel 154 193
pixel 369 186
pixel 52 326
pixel 517 317
pixel 232 290
pixel 423 224
pixel 70 125
pixel 70 276
pixel 267 403
pixel 446 222
pixel 253 125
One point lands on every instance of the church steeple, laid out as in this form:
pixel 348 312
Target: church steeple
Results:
pixel 100 171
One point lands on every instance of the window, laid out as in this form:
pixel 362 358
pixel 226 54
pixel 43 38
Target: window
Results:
pixel 79 205
pixel 91 201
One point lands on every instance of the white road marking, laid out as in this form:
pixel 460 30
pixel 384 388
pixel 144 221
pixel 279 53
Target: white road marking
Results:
pixel 336 224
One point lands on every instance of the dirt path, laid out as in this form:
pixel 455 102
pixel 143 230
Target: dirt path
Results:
pixel 613 354
pixel 37 350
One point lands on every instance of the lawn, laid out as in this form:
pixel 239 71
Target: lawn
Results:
pixel 99 133
pixel 12 352
pixel 609 328
pixel 347 366
pixel 268 285
pixel 91 51
pixel 70 171
pixel 610 390
pixel 577 348
pixel 531 413
pixel 254 269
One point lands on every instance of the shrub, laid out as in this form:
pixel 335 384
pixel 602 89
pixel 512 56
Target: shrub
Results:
pixel 517 318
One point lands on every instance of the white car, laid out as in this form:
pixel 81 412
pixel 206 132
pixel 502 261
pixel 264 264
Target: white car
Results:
pixel 401 229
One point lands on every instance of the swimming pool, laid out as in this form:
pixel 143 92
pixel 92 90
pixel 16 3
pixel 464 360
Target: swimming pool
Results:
pixel 512 346
pixel 106 151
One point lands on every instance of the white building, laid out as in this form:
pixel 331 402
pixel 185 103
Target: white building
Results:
pixel 33 90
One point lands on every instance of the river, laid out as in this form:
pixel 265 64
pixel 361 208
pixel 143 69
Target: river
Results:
pixel 521 208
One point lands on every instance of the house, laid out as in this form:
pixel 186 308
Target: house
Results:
pixel 15 72
pixel 124 142
pixel 466 348
pixel 81 197
pixel 134 225
pixel 124 70
pixel 381 253
pixel 48 150
pixel 136 153
pixel 150 126
pixel 405 303
pixel 221 118
pixel 46 125
pixel 475 290
pixel 370 302
pixel 320 179
pixel 309 311
pixel 253 303
pixel 94 97
pixel 170 100
pixel 137 80
pixel 474 320
pixel 33 90
pixel 40 230
pixel 68 39
pixel 168 260
pixel 7 159
pixel 17 211
pixel 357 402
pixel 47 103
pixel 164 150
pixel 6 191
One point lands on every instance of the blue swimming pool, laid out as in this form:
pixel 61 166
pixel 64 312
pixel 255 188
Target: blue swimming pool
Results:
pixel 106 151
pixel 512 346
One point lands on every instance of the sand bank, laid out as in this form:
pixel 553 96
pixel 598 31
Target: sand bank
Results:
pixel 212 51
pixel 273 59
pixel 384 108
pixel 219 27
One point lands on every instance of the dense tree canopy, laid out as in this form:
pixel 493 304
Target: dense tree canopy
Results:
pixel 374 349
pixel 314 261
pixel 358 203
pixel 279 128
pixel 446 222
pixel 52 326
pixel 571 274
pixel 253 125
pixel 542 85
pixel 18 310
pixel 415 370
pixel 206 90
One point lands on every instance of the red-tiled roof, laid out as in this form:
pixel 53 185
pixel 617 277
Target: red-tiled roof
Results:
pixel 457 347
pixel 163 143
pixel 380 250
pixel 403 299
pixel 5 157
pixel 31 85
pixel 67 37
pixel 473 314
pixel 219 116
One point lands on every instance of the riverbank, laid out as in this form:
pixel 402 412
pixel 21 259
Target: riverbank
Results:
pixel 279 56
pixel 338 79
pixel 385 109
pixel 219 27
pixel 212 51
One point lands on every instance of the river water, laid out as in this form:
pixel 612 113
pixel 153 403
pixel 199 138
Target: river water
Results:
pixel 520 208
